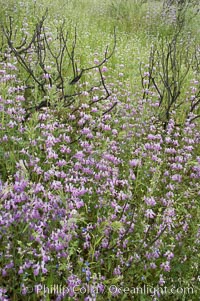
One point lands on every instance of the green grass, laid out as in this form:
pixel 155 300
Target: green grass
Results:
pixel 137 26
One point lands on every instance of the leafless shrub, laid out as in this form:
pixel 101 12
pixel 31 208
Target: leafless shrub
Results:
pixel 42 50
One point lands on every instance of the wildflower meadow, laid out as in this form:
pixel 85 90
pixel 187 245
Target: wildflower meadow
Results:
pixel 99 150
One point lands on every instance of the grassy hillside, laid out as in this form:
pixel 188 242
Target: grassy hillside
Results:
pixel 99 150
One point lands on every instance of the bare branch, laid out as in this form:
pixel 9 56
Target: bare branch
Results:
pixel 106 58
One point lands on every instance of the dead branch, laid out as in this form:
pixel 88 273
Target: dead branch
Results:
pixel 42 50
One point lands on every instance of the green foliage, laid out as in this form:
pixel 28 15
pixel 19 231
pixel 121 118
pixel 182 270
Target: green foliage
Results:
pixel 173 62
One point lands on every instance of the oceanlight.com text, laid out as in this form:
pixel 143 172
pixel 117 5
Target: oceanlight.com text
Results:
pixel 148 290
